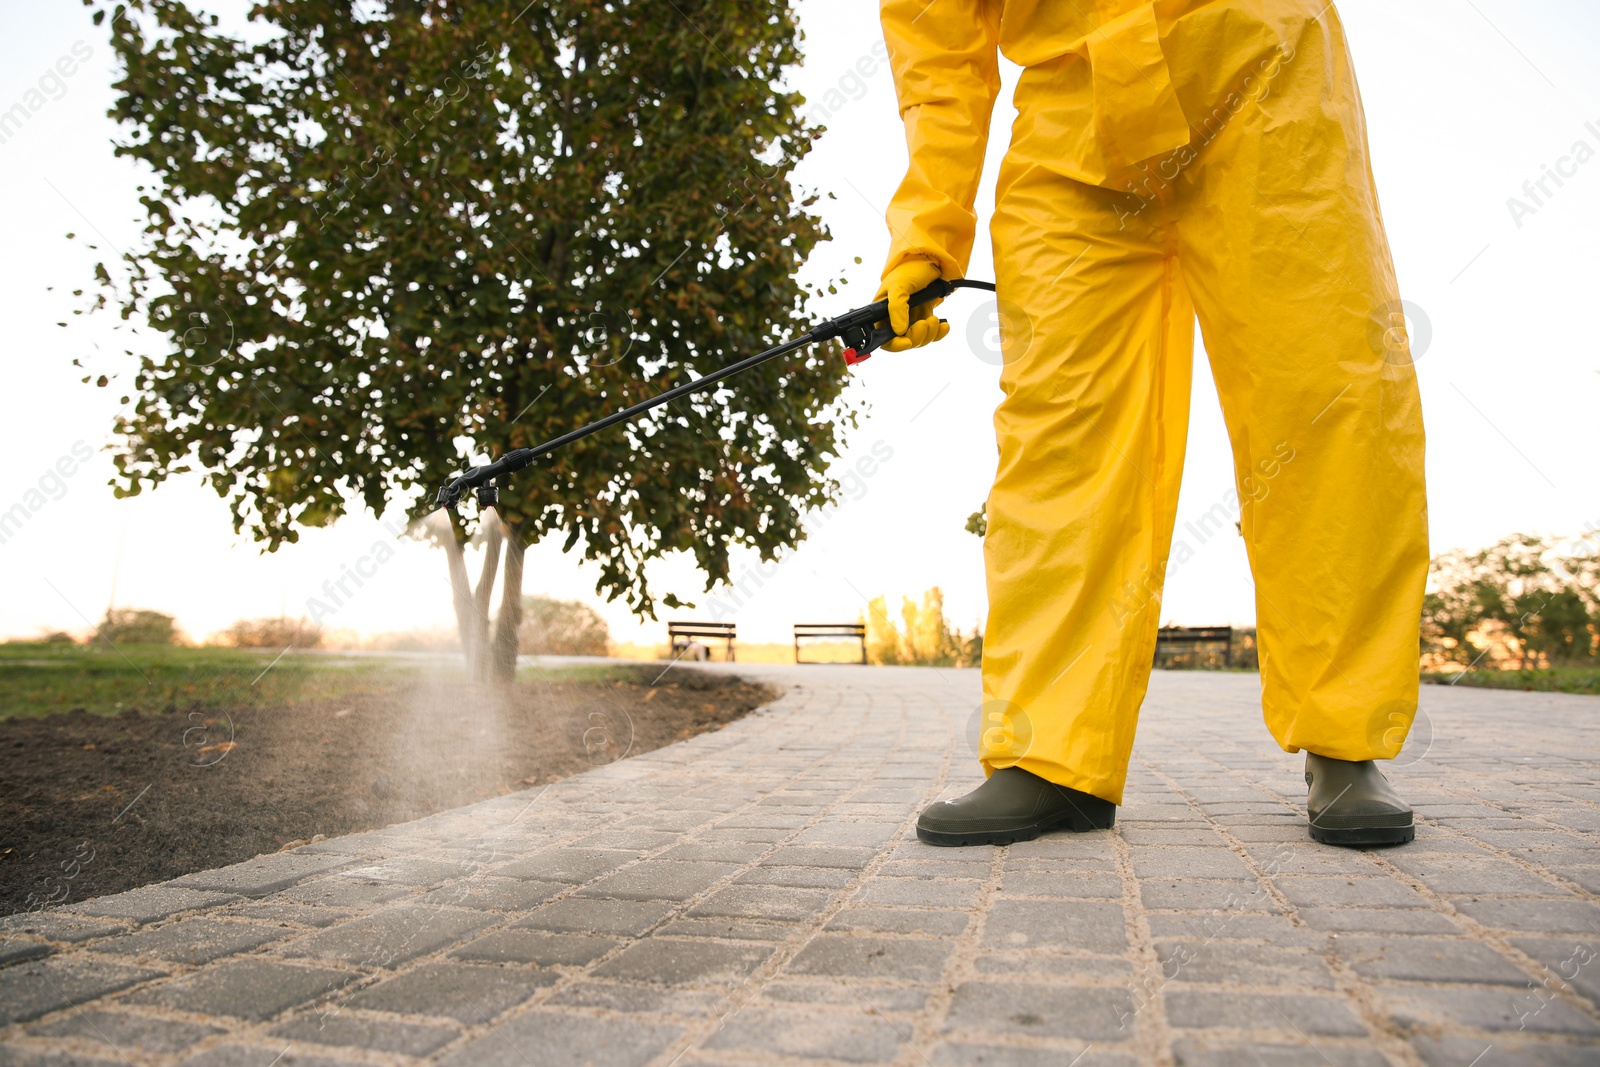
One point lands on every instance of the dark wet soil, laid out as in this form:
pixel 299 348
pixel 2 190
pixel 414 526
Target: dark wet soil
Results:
pixel 92 804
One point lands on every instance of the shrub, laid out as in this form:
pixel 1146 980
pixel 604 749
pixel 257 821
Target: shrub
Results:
pixel 562 628
pixel 273 633
pixel 136 626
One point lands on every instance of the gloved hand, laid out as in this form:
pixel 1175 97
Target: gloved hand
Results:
pixel 913 326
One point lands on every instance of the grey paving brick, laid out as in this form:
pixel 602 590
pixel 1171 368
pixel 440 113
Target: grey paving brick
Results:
pixel 819 856
pixel 1574 960
pixel 193 941
pixel 799 877
pixel 690 961
pixel 852 1036
pixel 264 874
pixel 563 1039
pixel 276 1054
pixel 779 903
pixel 536 947
pixel 1451 875
pixel 55 925
pixel 284 914
pixel 254 989
pixel 357 1031
pixel 470 993
pixel 634 998
pixel 737 930
pixel 1427 959
pixel 857 956
pixel 36 987
pixel 151 903
pixel 118 1030
pixel 962 1054
pixel 1539 915
pixel 571 865
pixel 1210 894
pixel 1024 1010
pixel 16 949
pixel 1317 1015
pixel 389 938
pixel 1184 862
pixel 1221 962
pixel 1485 1008
pixel 1321 891
pixel 921 892
pixel 410 870
pixel 493 893
pixel 606 918
pixel 1377 920
pixel 1088 926
pixel 342 892
pixel 1065 884
pixel 660 880
pixel 1189 1053
pixel 716 852
pixel 1520 1050
pixel 864 834
pixel 900 921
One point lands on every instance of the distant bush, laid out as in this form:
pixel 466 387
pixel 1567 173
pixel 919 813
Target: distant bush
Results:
pixel 136 626
pixel 59 637
pixel 562 628
pixel 1524 603
pixel 927 640
pixel 273 633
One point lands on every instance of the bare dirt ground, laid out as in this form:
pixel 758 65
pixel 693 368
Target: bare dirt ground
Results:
pixel 94 804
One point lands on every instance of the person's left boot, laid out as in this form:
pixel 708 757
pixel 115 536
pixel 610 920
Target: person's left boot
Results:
pixel 1350 802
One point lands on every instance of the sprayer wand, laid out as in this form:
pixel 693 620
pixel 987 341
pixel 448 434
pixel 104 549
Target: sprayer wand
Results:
pixel 858 328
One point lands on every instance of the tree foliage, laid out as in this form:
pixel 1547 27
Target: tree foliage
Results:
pixel 386 242
pixel 1525 601
pixel 924 638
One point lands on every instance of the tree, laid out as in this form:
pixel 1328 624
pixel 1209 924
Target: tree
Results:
pixel 136 626
pixel 274 633
pixel 385 242
pixel 562 628
pixel 1522 598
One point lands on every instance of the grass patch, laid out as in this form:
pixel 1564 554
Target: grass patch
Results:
pixel 1585 680
pixel 39 679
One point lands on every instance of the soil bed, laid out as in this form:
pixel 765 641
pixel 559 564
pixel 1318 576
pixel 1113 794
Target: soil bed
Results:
pixel 92 804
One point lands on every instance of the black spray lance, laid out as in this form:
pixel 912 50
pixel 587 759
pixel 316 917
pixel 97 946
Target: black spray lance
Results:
pixel 858 329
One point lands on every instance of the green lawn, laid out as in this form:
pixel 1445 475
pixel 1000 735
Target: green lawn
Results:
pixel 1551 680
pixel 38 678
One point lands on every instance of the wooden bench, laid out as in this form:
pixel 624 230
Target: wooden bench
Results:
pixel 856 630
pixel 1193 646
pixel 681 634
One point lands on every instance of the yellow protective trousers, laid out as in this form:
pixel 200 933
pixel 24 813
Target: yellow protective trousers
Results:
pixel 1173 161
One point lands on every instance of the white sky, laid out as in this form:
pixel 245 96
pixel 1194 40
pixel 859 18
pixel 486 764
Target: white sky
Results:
pixel 1465 102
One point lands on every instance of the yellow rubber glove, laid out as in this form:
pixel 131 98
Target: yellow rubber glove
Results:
pixel 914 326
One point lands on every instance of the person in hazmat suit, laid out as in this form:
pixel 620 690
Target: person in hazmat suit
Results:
pixel 1173 160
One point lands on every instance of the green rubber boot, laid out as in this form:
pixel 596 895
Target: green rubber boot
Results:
pixel 1351 803
pixel 1013 805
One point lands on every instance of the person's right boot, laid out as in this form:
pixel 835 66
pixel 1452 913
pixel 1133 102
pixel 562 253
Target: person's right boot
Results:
pixel 1350 802
pixel 1013 805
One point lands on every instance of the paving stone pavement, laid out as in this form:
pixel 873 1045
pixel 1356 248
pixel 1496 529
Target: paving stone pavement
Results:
pixel 757 896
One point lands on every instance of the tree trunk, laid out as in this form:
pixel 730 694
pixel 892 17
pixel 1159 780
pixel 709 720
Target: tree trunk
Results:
pixel 480 619
pixel 467 627
pixel 509 622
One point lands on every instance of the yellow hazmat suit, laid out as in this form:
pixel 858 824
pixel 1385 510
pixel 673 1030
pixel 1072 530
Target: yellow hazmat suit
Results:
pixel 1171 160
